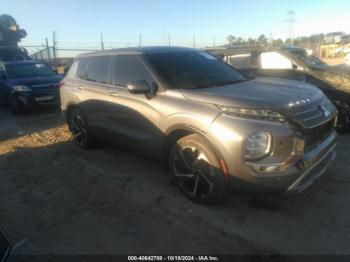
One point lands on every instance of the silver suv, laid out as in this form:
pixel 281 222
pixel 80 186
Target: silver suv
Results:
pixel 214 127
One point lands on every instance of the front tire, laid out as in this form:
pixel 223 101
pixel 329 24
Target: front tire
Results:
pixel 196 170
pixel 15 105
pixel 343 121
pixel 80 129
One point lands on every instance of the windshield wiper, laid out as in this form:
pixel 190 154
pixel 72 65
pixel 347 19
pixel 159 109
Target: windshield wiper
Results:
pixel 224 83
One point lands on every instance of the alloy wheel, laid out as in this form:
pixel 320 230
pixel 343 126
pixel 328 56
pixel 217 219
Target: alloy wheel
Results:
pixel 193 172
pixel 78 128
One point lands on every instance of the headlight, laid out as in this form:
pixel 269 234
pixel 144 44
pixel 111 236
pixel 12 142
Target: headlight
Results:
pixel 22 88
pixel 257 145
pixel 263 114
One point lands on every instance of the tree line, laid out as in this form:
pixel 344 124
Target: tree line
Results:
pixel 312 42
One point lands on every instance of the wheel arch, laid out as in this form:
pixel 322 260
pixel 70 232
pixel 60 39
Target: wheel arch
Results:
pixel 69 108
pixel 176 132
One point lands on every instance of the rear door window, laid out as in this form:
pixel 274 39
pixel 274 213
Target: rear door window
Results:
pixel 98 69
pixel 274 60
pixel 239 61
pixel 130 68
pixel 81 68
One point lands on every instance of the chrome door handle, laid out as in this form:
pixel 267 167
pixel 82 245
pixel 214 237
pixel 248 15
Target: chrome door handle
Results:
pixel 79 87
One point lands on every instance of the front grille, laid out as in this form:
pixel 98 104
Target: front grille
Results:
pixel 316 114
pixel 315 135
pixel 315 120
pixel 46 87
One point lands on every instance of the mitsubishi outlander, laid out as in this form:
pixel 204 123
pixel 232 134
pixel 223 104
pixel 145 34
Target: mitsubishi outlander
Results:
pixel 215 128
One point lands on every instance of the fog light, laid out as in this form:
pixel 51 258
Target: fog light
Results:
pixel 257 145
pixel 23 99
pixel 265 168
pixel 269 169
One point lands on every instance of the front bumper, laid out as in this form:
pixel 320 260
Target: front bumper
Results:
pixel 297 170
pixel 39 98
pixel 315 171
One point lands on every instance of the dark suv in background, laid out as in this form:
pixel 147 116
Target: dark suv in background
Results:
pixel 28 83
pixel 212 125
pixel 294 63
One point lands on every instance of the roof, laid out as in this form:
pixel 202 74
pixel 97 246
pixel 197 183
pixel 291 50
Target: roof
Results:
pixel 139 50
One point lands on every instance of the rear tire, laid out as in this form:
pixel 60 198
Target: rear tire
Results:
pixel 196 170
pixel 80 129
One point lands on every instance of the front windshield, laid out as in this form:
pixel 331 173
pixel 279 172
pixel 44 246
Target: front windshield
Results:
pixel 28 70
pixel 310 60
pixel 313 60
pixel 193 70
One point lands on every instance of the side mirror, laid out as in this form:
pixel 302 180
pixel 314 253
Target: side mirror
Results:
pixel 138 87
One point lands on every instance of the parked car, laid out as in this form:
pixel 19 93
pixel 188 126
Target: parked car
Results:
pixel 213 126
pixel 26 84
pixel 294 63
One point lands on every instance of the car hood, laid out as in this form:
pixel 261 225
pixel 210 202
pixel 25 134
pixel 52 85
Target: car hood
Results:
pixel 341 69
pixel 263 92
pixel 37 82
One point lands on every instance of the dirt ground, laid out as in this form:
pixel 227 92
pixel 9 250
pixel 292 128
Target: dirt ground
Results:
pixel 65 200
pixel 334 61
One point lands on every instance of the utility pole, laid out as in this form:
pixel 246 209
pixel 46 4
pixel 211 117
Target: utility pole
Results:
pixel 290 22
pixel 214 41
pixel 194 41
pixel 54 44
pixel 102 44
pixel 169 40
pixel 140 40
pixel 48 51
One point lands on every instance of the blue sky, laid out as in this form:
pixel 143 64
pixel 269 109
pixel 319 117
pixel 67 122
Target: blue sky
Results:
pixel 78 23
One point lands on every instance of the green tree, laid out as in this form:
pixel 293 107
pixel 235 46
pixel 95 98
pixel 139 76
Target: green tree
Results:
pixel 231 40
pixel 251 42
pixel 277 42
pixel 262 40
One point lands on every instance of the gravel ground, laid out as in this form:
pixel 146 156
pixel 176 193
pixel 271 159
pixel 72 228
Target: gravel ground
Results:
pixel 65 200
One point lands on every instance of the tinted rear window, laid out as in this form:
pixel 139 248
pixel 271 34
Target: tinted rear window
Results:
pixel 193 70
pixel 98 69
pixel 28 70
